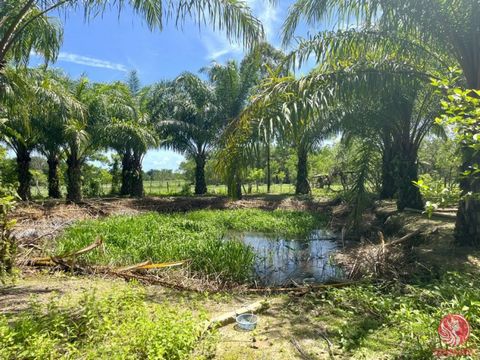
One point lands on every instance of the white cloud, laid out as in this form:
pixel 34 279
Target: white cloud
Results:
pixel 89 61
pixel 217 44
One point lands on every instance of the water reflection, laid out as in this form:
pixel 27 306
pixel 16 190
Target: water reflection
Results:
pixel 282 262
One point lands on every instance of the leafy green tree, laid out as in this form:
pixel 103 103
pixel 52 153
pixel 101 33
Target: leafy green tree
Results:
pixel 462 112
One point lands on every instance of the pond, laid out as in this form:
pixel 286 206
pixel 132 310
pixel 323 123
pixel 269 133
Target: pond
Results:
pixel 283 262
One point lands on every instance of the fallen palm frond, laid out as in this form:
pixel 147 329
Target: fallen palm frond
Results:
pixel 148 265
pixel 301 290
pixel 61 259
pixel 387 260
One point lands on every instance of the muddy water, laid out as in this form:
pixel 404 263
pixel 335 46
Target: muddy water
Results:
pixel 283 262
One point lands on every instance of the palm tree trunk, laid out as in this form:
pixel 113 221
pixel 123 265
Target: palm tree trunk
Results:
pixel 269 170
pixel 23 172
pixel 467 227
pixel 200 183
pixel 127 170
pixel 407 172
pixel 302 186
pixel 74 178
pixel 53 178
pixel 389 184
pixel 234 184
pixel 137 175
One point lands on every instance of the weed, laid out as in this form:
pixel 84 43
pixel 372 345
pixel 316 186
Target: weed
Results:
pixel 118 325
pixel 197 236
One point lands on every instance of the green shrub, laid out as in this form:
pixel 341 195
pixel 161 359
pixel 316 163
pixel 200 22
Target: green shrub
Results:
pixel 118 325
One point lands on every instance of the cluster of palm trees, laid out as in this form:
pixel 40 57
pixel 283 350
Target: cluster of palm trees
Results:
pixel 42 110
pixel 372 83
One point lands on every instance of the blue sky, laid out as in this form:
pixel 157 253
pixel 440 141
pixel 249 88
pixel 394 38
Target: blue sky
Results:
pixel 107 47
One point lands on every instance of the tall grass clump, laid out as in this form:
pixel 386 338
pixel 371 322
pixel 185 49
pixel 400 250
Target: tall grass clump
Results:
pixel 118 325
pixel 197 236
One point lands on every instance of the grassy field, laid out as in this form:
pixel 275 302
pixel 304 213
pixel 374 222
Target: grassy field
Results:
pixel 116 324
pixel 196 236
pixel 178 187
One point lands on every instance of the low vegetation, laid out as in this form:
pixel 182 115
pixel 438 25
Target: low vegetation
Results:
pixel 196 236
pixel 115 325
pixel 370 321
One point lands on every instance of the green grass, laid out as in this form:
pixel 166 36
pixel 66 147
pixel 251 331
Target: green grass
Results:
pixel 175 187
pixel 196 236
pixel 399 321
pixel 116 325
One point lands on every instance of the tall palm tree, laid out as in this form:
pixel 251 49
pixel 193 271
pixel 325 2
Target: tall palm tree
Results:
pixel 445 32
pixel 234 85
pixel 83 133
pixel 58 107
pixel 193 123
pixel 40 100
pixel 129 130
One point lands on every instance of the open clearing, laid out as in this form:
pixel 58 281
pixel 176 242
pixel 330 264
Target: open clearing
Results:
pixel 367 320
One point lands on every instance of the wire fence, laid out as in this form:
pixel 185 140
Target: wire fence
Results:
pixel 172 188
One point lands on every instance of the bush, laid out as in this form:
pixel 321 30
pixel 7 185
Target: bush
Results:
pixel 120 325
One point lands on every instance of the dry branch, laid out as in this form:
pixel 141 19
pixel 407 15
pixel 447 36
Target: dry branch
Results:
pixel 405 238
pixel 60 259
pixel 303 289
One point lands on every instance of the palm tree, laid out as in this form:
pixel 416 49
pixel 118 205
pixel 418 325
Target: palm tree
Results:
pixel 292 117
pixel 58 107
pixel 129 130
pixel 193 122
pixel 25 25
pixel 445 32
pixel 83 133
pixel 234 84
pixel 39 100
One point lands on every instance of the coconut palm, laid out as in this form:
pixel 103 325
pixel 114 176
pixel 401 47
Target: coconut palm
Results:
pixel 443 32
